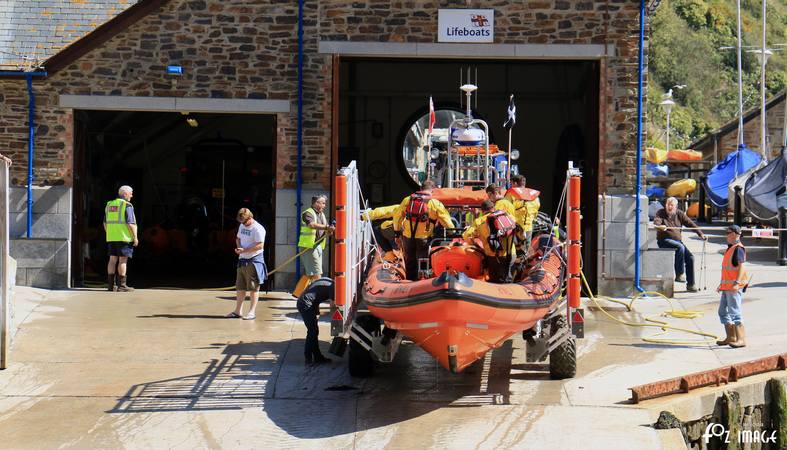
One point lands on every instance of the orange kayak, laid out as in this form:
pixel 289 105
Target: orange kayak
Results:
pixel 456 315
pixel 684 155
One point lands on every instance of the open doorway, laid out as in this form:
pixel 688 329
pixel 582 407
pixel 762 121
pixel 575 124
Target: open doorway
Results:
pixel 190 172
pixel 557 121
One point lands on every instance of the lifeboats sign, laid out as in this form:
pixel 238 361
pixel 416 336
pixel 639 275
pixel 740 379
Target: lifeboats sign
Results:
pixel 466 25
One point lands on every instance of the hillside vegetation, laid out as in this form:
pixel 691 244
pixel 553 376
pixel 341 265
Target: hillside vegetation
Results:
pixel 685 49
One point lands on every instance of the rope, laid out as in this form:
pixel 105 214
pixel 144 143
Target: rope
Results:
pixel 653 322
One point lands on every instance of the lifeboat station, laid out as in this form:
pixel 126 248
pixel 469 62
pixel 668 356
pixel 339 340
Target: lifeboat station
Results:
pixel 441 212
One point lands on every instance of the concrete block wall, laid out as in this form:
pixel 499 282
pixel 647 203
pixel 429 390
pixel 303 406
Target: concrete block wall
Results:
pixel 43 263
pixel 51 212
pixel 45 259
pixel 616 236
pixel 287 233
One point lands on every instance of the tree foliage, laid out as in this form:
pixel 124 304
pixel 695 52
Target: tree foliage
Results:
pixel 685 48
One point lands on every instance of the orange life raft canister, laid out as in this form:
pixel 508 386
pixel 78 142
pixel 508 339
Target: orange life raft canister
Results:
pixel 458 258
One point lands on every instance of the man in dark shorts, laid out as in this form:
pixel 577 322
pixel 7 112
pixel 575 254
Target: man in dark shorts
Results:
pixel 121 228
pixel 320 290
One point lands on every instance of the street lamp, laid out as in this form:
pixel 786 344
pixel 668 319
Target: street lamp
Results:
pixel 667 105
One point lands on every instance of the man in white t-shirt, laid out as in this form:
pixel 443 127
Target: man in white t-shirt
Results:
pixel 251 272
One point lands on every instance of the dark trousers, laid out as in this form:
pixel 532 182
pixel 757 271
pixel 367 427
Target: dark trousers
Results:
pixel 414 249
pixel 682 257
pixel 386 238
pixel 499 268
pixel 309 315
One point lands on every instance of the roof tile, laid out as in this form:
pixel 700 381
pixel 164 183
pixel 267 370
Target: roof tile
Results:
pixel 48 25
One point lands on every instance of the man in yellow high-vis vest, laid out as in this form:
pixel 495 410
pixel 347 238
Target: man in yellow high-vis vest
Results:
pixel 314 226
pixel 120 226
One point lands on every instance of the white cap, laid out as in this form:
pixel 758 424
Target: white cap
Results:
pixel 125 188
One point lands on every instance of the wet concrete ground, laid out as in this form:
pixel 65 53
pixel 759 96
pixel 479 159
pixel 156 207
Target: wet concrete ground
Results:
pixel 164 369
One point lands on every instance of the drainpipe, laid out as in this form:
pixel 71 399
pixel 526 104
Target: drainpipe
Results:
pixel 31 106
pixel 299 179
pixel 637 209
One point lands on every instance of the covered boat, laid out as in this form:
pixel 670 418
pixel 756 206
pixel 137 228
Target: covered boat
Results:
pixel 763 186
pixel 733 165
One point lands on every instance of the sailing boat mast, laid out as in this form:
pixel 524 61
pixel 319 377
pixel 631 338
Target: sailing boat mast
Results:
pixel 763 60
pixel 740 80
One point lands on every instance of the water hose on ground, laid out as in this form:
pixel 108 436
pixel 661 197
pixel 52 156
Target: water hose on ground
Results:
pixel 652 321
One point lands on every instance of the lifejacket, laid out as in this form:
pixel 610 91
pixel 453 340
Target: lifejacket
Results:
pixel 729 273
pixel 501 229
pixel 523 193
pixel 308 236
pixel 417 210
pixel 115 219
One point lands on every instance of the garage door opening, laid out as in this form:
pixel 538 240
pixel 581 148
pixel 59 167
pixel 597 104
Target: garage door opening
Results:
pixel 557 121
pixel 191 172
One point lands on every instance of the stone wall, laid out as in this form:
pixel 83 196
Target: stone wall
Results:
pixel 750 418
pixel 234 49
pixel 248 50
pixel 751 132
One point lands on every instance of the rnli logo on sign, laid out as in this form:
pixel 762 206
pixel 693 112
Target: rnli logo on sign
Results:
pixel 479 20
pixel 466 25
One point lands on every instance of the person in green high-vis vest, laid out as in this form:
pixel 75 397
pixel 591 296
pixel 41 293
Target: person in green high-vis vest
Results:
pixel 121 228
pixel 314 226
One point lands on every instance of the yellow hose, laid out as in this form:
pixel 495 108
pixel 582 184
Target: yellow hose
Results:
pixel 664 326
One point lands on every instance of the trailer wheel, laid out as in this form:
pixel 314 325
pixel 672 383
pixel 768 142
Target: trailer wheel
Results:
pixel 563 359
pixel 361 363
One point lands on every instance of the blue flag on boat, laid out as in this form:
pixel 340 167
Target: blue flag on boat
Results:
pixel 511 121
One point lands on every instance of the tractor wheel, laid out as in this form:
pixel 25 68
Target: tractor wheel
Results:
pixel 361 361
pixel 563 359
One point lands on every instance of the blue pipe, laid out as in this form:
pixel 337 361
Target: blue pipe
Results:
pixel 638 209
pixel 31 112
pixel 299 179
pixel 31 107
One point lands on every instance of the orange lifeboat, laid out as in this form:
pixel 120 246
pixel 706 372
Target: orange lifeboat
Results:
pixel 456 315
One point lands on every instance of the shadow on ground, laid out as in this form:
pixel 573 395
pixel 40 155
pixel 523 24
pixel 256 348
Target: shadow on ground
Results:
pixel 272 376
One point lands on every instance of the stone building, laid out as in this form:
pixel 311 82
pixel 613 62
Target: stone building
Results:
pixel 195 103
pixel 716 145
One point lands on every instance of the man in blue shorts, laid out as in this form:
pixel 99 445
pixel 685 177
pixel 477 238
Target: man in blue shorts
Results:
pixel 121 228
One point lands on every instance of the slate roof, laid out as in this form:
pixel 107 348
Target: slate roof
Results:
pixel 31 31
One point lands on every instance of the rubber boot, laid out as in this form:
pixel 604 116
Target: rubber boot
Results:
pixel 741 333
pixel 729 328
pixel 111 282
pixel 123 287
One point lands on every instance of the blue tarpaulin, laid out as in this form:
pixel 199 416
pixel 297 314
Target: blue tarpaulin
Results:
pixel 719 177
pixel 658 170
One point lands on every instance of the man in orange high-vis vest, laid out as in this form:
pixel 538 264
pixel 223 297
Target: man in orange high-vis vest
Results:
pixel 732 281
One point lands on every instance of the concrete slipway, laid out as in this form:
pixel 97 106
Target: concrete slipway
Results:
pixel 162 369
